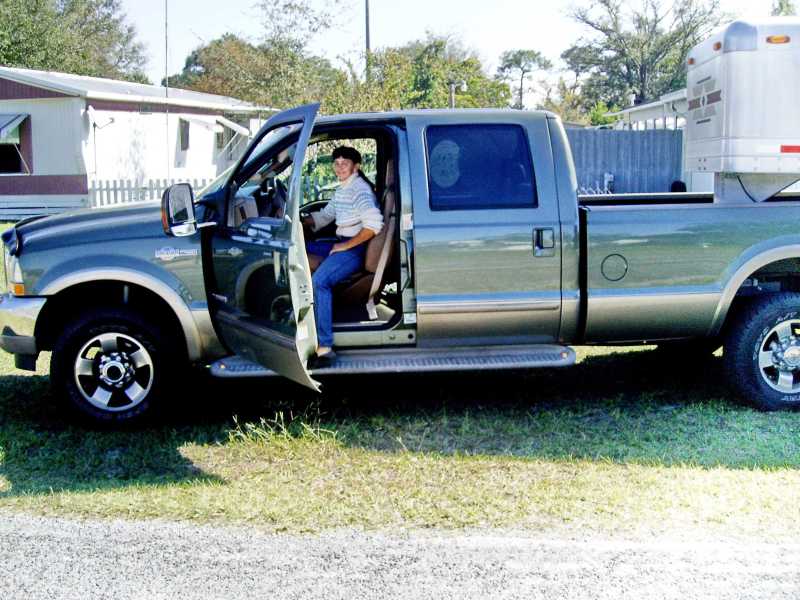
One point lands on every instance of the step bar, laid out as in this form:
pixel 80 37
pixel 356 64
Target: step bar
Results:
pixel 413 360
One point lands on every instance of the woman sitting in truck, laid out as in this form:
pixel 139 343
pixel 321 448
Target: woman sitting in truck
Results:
pixel 354 208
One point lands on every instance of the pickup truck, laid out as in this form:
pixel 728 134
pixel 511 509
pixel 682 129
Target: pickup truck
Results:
pixel 488 259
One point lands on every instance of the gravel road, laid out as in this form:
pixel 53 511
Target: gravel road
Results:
pixel 45 557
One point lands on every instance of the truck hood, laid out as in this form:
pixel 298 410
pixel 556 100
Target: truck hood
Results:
pixel 93 225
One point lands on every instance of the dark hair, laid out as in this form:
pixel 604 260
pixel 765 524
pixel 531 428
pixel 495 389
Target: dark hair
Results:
pixel 347 152
pixel 351 153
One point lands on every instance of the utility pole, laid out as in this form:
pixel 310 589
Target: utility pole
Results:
pixel 368 68
pixel 166 81
pixel 462 86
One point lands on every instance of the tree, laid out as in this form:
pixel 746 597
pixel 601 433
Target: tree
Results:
pixel 565 100
pixel 277 70
pixel 783 8
pixel 294 22
pixel 597 116
pixel 283 73
pixel 519 64
pixel 416 75
pixel 637 50
pixel 263 74
pixel 86 37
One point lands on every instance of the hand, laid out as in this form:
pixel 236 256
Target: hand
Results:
pixel 338 248
pixel 308 221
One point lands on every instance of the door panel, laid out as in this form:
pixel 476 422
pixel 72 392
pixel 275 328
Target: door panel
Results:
pixel 488 270
pixel 260 294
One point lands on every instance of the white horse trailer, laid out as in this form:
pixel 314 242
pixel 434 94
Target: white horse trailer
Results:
pixel 743 119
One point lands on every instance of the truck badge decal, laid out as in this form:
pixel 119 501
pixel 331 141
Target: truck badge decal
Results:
pixel 711 98
pixel 168 253
pixel 703 101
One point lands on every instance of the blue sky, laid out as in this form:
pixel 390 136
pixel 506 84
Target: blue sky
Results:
pixel 486 26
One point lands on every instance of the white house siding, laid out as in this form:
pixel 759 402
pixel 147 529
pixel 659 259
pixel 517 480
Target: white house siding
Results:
pixel 56 133
pixel 141 146
pixel 91 139
pixel 56 136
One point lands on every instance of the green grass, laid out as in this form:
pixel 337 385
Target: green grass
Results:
pixel 625 443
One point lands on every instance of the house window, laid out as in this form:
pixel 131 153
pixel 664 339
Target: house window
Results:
pixel 227 143
pixel 184 130
pixel 15 144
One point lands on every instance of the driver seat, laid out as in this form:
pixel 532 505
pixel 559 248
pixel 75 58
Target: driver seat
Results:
pixel 366 286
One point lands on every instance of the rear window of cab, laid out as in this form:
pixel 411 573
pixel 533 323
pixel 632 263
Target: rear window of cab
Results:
pixel 479 167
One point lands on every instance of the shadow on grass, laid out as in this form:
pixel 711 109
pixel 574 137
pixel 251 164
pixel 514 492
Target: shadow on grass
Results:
pixel 626 407
pixel 629 407
pixel 41 452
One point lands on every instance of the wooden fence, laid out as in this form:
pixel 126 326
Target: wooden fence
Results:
pixel 626 162
pixel 120 191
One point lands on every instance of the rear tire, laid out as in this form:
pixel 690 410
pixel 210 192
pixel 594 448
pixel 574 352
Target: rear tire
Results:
pixel 762 352
pixel 109 366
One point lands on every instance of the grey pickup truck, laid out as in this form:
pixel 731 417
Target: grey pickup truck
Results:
pixel 487 260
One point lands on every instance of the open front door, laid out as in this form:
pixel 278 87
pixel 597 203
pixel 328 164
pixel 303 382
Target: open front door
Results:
pixel 260 293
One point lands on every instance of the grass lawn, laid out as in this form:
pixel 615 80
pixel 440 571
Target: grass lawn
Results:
pixel 625 443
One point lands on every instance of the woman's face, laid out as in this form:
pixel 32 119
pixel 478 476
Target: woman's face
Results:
pixel 344 168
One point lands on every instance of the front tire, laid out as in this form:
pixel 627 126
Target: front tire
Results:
pixel 108 366
pixel 762 352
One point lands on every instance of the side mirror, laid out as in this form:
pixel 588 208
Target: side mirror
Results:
pixel 177 210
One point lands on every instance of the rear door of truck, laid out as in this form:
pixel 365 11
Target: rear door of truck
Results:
pixel 486 229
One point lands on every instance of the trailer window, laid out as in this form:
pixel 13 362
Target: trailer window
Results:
pixel 474 167
pixel 15 144
pixel 184 134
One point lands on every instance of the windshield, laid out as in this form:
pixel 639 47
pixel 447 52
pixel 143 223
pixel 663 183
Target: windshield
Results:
pixel 217 183
pixel 269 140
pixel 272 137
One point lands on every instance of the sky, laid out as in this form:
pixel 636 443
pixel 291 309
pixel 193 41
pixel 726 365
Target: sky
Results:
pixel 488 27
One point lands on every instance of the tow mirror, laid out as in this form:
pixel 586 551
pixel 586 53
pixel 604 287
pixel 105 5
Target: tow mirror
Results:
pixel 177 210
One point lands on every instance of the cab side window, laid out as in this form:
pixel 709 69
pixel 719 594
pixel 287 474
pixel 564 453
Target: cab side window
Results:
pixel 319 180
pixel 478 167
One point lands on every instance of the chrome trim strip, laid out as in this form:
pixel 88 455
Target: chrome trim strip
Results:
pixel 18 315
pixel 745 269
pixel 212 346
pixel 438 307
pixel 634 315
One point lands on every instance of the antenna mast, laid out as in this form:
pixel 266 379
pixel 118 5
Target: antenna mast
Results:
pixel 166 81
pixel 368 65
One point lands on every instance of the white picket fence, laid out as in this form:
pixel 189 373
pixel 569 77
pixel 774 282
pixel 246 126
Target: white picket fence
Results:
pixel 120 191
pixel 113 192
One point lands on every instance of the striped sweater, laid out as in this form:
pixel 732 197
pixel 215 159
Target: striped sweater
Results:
pixel 353 207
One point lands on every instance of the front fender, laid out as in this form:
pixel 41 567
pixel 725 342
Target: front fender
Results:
pixel 189 325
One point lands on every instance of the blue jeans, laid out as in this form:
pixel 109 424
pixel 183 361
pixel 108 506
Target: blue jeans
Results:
pixel 335 268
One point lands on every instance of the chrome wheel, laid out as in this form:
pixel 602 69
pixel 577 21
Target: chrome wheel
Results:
pixel 113 372
pixel 779 357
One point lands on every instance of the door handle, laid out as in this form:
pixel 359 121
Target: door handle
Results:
pixel 544 242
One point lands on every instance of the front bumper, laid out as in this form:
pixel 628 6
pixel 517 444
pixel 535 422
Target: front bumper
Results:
pixel 18 323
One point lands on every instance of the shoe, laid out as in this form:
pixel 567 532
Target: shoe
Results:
pixel 322 361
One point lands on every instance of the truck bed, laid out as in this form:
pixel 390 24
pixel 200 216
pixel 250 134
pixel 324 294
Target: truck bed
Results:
pixel 645 199
pixel 660 273
pixel 663 198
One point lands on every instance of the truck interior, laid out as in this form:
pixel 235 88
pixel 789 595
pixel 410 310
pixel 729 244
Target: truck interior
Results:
pixel 371 299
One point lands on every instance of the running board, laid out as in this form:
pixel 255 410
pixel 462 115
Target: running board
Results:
pixel 403 360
